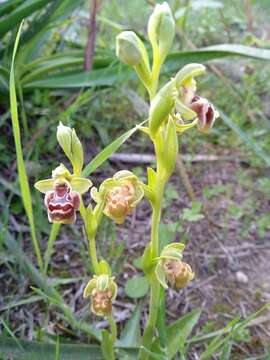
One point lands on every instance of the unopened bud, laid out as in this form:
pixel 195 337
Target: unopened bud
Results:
pixel 71 145
pixel 161 29
pixel 131 51
pixel 127 48
pixel 161 106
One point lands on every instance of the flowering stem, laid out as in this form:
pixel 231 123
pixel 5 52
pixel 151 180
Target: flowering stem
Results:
pixel 155 286
pixel 155 73
pixel 93 251
pixel 113 327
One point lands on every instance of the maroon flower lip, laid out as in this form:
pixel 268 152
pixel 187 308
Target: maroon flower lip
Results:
pixel 63 208
pixel 62 204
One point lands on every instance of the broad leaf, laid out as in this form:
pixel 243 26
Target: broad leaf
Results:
pixel 15 17
pixel 178 332
pixel 132 333
pixel 137 287
pixel 33 350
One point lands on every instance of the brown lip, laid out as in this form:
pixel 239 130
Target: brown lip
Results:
pixel 63 208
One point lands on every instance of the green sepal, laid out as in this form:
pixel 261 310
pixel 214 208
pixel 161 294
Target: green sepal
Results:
pixel 102 282
pixel 44 185
pixel 160 274
pixel 89 288
pixel 180 128
pixel 172 251
pixel 104 268
pixel 81 185
pixel 161 30
pixel 187 72
pixel 131 51
pixel 170 148
pixel 161 106
pixel 185 111
pixel 90 221
pixel 71 145
pixel 61 172
pixel 151 177
pixel 146 261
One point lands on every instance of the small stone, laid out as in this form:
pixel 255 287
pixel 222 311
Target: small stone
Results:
pixel 241 277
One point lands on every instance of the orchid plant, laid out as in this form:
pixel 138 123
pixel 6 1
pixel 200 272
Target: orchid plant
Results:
pixel 174 108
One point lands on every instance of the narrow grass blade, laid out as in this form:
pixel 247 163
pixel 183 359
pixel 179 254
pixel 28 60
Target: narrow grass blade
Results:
pixel 109 150
pixel 29 300
pixel 24 185
pixel 253 145
pixel 45 289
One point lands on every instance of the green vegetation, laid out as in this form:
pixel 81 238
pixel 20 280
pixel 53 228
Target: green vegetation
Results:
pixel 223 221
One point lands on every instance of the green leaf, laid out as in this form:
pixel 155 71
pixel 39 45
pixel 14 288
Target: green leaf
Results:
pixel 33 350
pixel 112 73
pixel 226 351
pixel 132 332
pixel 16 16
pixel 178 332
pixel 252 144
pixel 43 283
pixel 55 228
pixel 23 180
pixel 100 77
pixel 107 345
pixel 108 151
pixel 178 59
pixel 137 287
pixel 146 261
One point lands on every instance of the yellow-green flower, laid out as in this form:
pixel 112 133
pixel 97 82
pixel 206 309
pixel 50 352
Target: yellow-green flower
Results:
pixel 103 290
pixel 121 193
pixel 170 268
pixel 62 194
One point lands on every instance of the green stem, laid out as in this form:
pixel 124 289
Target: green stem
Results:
pixel 113 327
pixel 155 72
pixel 155 286
pixel 93 251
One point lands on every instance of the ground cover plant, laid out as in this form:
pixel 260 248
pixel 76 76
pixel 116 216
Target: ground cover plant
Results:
pixel 175 107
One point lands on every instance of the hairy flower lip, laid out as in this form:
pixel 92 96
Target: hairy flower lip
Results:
pixel 63 208
pixel 61 213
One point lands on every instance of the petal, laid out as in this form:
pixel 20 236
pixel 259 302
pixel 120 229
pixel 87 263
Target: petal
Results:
pixel 180 128
pixel 89 287
pixel 81 185
pixel 44 185
pixel 123 174
pixel 160 274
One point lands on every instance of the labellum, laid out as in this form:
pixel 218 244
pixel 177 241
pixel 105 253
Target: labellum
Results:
pixel 62 203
